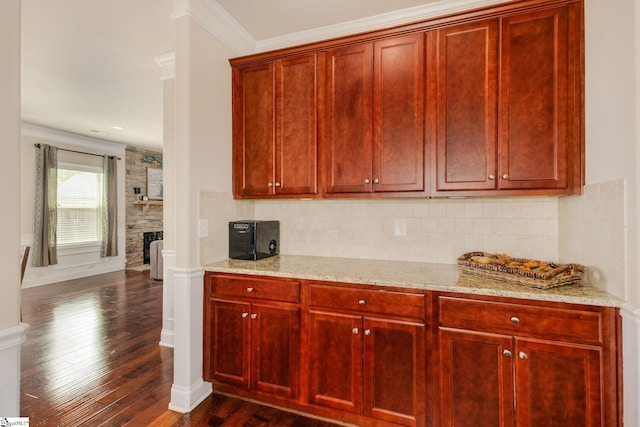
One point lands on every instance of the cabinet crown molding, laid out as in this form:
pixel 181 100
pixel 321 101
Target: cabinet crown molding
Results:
pixel 371 23
pixel 227 30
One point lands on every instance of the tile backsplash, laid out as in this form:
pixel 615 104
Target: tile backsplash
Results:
pixel 426 230
pixel 588 229
pixel 592 230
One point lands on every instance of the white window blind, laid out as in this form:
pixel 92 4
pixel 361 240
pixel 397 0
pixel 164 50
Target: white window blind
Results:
pixel 79 204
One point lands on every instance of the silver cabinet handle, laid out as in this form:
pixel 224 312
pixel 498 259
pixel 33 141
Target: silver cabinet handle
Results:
pixel 254 316
pixel 269 184
pixel 507 353
pixel 366 180
pixel 244 315
pixel 249 290
pixel 362 302
pixel 278 184
pixel 492 177
pixel 515 320
pixel 367 332
pixel 522 355
pixel 355 331
pixel 505 176
pixel 376 181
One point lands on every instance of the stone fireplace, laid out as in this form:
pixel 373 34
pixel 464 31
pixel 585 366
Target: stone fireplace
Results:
pixel 147 238
pixel 142 217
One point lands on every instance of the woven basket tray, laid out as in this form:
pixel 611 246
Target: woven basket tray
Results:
pixel 549 274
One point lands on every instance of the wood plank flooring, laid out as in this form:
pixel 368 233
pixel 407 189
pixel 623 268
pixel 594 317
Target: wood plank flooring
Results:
pixel 91 358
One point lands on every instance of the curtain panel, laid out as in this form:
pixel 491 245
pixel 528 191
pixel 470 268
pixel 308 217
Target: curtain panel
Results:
pixel 109 245
pixel 44 250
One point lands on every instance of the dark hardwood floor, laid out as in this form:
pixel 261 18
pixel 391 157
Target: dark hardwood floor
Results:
pixel 91 358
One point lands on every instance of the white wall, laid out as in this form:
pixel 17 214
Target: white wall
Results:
pixel 78 260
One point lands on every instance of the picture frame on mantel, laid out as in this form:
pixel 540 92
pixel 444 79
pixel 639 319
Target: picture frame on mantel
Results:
pixel 154 184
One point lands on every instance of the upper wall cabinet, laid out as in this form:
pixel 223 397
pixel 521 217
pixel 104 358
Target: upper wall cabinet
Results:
pixel 274 128
pixel 487 102
pixel 508 113
pixel 373 139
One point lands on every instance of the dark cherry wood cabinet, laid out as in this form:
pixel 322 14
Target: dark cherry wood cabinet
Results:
pixel 274 128
pixel 509 104
pixel 488 102
pixel 366 356
pixel 377 355
pixel 538 131
pixel 252 334
pixel 505 364
pixel 374 117
pixel 466 88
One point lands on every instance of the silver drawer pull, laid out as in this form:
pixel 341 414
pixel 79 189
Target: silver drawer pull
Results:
pixel 245 315
pixel 254 316
pixel 355 331
pixel 522 355
pixel 362 302
pixel 367 332
pixel 249 289
pixel 507 353
pixel 515 320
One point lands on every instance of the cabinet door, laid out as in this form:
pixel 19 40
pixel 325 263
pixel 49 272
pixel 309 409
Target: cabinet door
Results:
pixel 558 384
pixel 398 114
pixel 476 379
pixel 230 338
pixel 348 111
pixel 394 371
pixel 466 112
pixel 275 349
pixel 533 101
pixel 296 151
pixel 253 130
pixel 336 361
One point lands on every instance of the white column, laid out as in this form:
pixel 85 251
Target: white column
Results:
pixel 188 388
pixel 168 285
pixel 11 331
pixel 166 63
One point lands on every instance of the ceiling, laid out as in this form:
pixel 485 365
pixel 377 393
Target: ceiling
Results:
pixel 88 66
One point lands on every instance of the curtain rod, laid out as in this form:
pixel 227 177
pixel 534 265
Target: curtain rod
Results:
pixel 80 152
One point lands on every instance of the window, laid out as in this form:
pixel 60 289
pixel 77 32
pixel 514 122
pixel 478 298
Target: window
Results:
pixel 79 204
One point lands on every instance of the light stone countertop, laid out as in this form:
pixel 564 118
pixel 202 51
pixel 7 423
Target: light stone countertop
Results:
pixel 414 275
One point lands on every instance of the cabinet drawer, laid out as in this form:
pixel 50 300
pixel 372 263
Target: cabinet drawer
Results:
pixel 256 288
pixel 564 324
pixel 367 301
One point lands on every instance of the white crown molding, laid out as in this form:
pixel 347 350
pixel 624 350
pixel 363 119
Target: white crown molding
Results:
pixel 386 20
pixel 167 64
pixel 34 131
pixel 218 22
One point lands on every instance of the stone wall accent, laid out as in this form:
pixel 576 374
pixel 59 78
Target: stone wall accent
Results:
pixel 139 218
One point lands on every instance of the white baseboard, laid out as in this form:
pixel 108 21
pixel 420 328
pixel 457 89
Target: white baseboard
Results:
pixel 166 338
pixel 184 400
pixel 54 274
pixel 11 340
pixel 189 388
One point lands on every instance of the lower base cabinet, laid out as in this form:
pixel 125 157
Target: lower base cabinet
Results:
pixel 506 364
pixel 368 366
pixel 377 356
